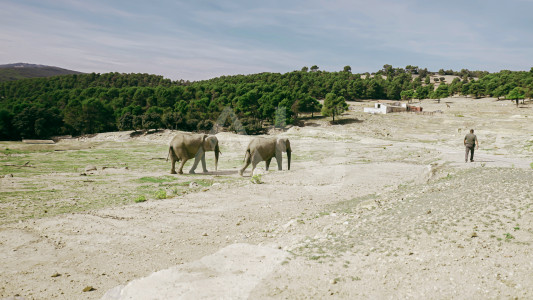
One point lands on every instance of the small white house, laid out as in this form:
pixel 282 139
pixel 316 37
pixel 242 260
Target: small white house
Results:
pixel 384 108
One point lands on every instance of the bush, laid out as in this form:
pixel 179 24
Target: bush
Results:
pixel 140 199
pixel 161 194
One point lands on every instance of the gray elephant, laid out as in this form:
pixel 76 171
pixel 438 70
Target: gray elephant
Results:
pixel 264 149
pixel 185 146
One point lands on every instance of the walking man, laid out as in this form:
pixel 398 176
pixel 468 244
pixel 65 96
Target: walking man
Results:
pixel 470 143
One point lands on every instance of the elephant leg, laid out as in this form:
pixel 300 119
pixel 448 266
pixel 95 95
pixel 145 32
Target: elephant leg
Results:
pixel 256 159
pixel 173 160
pixel 199 155
pixel 268 163
pixel 204 169
pixel 279 160
pixel 247 159
pixel 180 171
pixel 254 164
pixel 173 168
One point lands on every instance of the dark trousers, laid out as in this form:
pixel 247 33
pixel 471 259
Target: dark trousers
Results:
pixel 471 150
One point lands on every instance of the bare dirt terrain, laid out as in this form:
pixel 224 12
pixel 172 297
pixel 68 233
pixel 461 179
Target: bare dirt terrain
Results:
pixel 377 206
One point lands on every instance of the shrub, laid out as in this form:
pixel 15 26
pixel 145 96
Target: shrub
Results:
pixel 140 199
pixel 161 194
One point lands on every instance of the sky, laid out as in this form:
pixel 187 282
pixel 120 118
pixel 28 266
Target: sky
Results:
pixel 201 39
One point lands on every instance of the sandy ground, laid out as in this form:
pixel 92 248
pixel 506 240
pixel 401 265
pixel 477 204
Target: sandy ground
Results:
pixel 380 206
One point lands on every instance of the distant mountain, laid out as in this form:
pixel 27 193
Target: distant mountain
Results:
pixel 22 71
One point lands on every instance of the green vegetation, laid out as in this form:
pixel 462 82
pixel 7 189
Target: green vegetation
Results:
pixel 516 94
pixel 334 105
pixel 140 199
pixel 161 194
pixel 162 179
pixel 256 179
pixel 47 180
pixel 90 103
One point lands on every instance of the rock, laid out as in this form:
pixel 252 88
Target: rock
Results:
pixel 89 289
pixel 90 168
pixel 9 176
pixel 56 274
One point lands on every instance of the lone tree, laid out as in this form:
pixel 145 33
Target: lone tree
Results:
pixel 441 92
pixel 308 104
pixel 407 95
pixel 516 94
pixel 334 106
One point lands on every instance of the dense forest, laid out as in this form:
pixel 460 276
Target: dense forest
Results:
pixel 90 103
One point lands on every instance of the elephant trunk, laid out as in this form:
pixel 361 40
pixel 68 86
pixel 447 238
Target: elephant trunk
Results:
pixel 288 159
pixel 217 152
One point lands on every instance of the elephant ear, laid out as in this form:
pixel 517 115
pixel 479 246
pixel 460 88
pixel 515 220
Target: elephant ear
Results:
pixel 210 143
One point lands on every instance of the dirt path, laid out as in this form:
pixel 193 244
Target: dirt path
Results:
pixel 381 207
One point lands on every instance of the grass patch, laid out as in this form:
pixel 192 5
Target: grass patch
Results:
pixel 50 179
pixel 508 236
pixel 161 179
pixel 316 257
pixel 201 182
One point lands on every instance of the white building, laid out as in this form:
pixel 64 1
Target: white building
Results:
pixel 385 108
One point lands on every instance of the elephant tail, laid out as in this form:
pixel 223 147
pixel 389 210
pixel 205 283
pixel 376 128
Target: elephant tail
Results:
pixel 169 152
pixel 246 153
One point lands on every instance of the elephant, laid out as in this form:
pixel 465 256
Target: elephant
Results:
pixel 263 149
pixel 185 146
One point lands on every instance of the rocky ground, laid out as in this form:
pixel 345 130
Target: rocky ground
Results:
pixel 378 206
